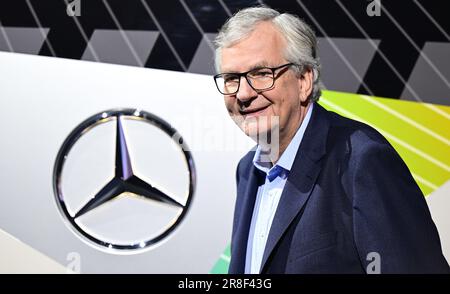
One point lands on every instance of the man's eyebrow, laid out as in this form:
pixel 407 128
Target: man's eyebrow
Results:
pixel 259 65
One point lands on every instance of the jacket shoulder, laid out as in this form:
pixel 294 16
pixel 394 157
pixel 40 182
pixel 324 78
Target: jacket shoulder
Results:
pixel 357 134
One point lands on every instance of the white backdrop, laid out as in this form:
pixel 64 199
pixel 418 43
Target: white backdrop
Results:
pixel 44 99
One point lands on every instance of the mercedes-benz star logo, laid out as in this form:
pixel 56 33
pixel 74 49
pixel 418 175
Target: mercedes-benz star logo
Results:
pixel 124 182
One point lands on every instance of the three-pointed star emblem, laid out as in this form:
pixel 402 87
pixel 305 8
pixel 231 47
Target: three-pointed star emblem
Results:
pixel 125 180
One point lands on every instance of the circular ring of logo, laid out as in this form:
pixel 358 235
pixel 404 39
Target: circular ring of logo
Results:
pixel 86 126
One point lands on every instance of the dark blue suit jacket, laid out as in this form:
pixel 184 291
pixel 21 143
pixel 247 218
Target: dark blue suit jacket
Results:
pixel 348 194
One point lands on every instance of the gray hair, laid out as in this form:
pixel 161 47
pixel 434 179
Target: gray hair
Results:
pixel 301 41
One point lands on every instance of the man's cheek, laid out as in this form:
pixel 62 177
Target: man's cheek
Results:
pixel 231 109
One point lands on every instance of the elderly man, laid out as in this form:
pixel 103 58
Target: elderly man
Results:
pixel 335 197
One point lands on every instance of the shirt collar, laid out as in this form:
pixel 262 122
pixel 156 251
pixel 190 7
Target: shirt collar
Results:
pixel 287 158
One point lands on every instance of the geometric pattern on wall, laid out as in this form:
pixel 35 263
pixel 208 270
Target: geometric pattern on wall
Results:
pixel 425 80
pixel 22 40
pixel 112 46
pixel 402 54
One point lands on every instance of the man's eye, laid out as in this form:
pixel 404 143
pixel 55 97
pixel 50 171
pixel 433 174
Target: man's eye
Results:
pixel 231 79
pixel 261 74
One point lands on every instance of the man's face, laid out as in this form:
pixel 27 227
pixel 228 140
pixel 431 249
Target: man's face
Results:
pixel 248 108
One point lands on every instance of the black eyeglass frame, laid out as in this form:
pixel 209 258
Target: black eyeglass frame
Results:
pixel 244 74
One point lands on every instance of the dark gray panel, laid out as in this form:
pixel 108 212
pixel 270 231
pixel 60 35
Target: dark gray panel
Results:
pixel 336 75
pixel 22 40
pixel 425 81
pixel 110 46
pixel 203 61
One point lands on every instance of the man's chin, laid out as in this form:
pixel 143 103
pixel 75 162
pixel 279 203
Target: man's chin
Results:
pixel 264 136
pixel 260 128
pixel 254 131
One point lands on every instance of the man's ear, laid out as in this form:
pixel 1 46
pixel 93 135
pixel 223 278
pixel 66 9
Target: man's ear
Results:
pixel 305 84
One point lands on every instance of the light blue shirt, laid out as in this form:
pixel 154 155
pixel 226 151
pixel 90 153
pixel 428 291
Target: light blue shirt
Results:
pixel 268 197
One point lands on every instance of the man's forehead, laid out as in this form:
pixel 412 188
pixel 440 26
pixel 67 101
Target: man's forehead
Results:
pixel 264 47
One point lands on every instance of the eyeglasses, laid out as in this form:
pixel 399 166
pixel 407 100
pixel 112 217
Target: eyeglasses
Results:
pixel 259 79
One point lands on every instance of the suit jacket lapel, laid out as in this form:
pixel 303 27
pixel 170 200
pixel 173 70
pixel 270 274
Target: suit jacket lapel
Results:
pixel 301 179
pixel 240 237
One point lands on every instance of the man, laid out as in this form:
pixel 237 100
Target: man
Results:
pixel 335 197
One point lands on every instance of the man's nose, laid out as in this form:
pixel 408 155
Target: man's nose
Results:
pixel 246 92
